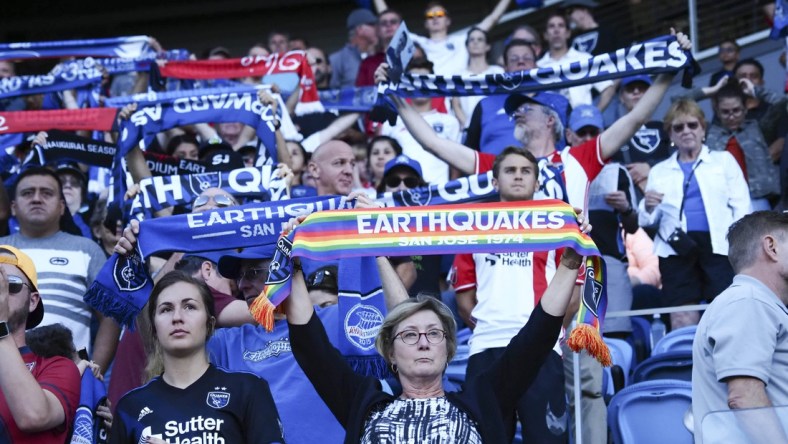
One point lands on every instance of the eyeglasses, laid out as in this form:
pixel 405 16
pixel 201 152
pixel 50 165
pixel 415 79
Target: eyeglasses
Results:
pixel 394 181
pixel 435 14
pixel 221 200
pixel 587 132
pixel 522 111
pixel 411 337
pixel 728 113
pixel 392 22
pixel 252 274
pixel 15 284
pixel 679 127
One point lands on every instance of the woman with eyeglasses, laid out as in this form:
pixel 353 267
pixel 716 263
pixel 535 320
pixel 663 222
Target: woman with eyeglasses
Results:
pixel 193 401
pixel 691 199
pixel 418 339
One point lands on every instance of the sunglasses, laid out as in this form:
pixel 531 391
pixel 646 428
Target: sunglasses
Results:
pixel 587 132
pixel 679 127
pixel 15 284
pixel 221 201
pixel 435 14
pixel 394 181
pixel 253 274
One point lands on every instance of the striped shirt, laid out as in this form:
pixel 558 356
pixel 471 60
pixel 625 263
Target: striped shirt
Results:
pixel 66 266
pixel 430 420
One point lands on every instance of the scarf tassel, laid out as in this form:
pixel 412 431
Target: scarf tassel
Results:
pixel 107 302
pixel 263 312
pixel 586 337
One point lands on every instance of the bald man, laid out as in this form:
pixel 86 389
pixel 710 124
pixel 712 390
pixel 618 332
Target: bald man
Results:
pixel 332 166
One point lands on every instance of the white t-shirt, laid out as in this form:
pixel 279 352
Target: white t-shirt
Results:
pixel 448 127
pixel 468 103
pixel 449 57
pixel 577 95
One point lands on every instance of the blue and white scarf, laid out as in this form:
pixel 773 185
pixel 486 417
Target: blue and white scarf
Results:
pixel 62 77
pixel 118 65
pixel 350 99
pixel 128 47
pixel 660 55
pixel 160 192
pixel 88 428
pixel 123 285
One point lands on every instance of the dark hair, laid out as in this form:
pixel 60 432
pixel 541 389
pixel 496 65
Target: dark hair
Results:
pixel 731 90
pixel 420 63
pixel 517 42
pixel 476 28
pixel 52 340
pixel 732 41
pixel 276 32
pixel 392 141
pixel 556 13
pixel 176 141
pixel 191 264
pixel 39 171
pixel 752 62
pixel 172 278
pixel 744 236
pixel 512 150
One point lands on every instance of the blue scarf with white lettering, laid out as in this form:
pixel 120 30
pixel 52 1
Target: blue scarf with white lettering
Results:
pixel 120 65
pixel 160 192
pixel 123 285
pixel 660 55
pixel 129 47
pixel 88 428
pixel 63 77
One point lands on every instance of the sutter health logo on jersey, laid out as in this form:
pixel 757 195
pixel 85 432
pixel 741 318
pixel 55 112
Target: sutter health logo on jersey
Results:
pixel 197 430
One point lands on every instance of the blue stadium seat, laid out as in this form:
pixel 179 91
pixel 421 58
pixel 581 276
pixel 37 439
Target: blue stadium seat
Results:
pixel 651 412
pixel 671 365
pixel 677 340
pixel 623 356
pixel 641 338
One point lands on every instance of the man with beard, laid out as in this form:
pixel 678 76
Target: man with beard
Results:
pixel 39 395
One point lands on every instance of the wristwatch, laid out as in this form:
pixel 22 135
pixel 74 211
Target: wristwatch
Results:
pixel 4 331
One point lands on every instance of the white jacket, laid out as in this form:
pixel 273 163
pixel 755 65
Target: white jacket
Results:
pixel 726 198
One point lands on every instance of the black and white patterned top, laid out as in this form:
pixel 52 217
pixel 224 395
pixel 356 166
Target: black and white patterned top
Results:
pixel 430 420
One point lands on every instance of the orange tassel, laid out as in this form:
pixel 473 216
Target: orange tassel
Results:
pixel 586 337
pixel 262 311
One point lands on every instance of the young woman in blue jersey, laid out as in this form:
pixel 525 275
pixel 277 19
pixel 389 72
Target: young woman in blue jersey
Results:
pixel 193 401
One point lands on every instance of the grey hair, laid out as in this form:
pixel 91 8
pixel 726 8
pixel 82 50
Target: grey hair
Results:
pixel 384 343
pixel 558 128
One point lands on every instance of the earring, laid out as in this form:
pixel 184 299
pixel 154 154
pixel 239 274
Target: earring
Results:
pixel 394 368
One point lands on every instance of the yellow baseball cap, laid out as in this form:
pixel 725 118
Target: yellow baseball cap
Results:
pixel 23 262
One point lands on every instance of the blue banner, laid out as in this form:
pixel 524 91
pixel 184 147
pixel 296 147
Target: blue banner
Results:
pixel 349 99
pixel 127 47
pixel 118 65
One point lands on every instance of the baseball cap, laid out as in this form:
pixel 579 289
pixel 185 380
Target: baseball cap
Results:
pixel 584 3
pixel 26 266
pixel 360 16
pixel 403 161
pixel 556 102
pixel 69 167
pixel 637 78
pixel 230 263
pixel 324 278
pixel 585 115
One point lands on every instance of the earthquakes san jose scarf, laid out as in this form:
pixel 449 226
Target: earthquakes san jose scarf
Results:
pixel 289 62
pixel 129 47
pixel 659 55
pixel 492 228
pixel 123 285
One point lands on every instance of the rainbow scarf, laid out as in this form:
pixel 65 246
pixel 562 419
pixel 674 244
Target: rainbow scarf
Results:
pixel 447 229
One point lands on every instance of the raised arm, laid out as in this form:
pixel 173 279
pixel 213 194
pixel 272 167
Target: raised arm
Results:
pixel 394 290
pixel 613 138
pixel 492 19
pixel 455 154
